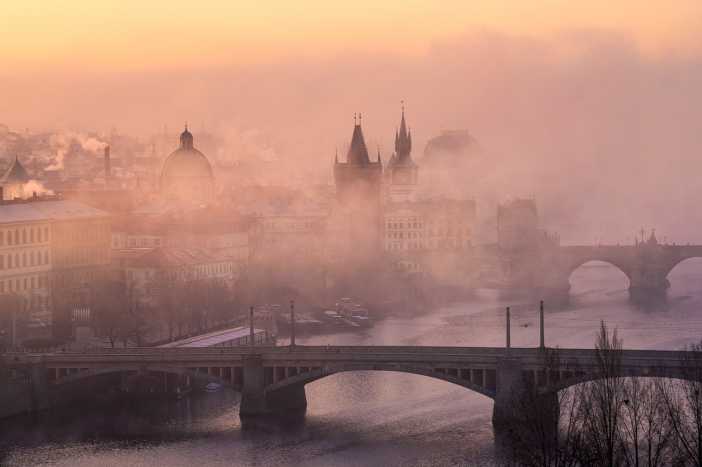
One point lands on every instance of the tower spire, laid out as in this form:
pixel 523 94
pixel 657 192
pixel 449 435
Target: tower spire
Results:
pixel 403 140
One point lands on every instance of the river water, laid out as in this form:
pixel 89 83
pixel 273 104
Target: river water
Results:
pixel 363 418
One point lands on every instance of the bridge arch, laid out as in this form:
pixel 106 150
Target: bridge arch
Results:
pixel 180 371
pixel 451 375
pixel 639 373
pixel 680 265
pixel 614 272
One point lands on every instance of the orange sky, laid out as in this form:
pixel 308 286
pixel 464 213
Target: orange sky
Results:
pixel 130 34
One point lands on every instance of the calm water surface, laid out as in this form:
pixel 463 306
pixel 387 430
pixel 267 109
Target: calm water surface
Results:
pixel 364 418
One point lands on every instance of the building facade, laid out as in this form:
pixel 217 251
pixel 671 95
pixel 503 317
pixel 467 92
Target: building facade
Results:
pixel 25 261
pixel 49 251
pixel 414 232
pixel 144 273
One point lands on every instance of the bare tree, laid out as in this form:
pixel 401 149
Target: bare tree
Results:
pixel 646 428
pixel 602 399
pixel 682 400
pixel 110 306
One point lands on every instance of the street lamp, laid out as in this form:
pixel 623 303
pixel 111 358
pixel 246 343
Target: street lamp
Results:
pixel 251 327
pixel 292 323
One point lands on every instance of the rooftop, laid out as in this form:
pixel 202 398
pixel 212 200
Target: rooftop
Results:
pixel 166 258
pixel 213 338
pixel 36 211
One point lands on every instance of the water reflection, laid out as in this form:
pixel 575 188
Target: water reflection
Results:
pixel 359 418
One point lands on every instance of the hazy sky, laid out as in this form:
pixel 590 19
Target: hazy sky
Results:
pixel 138 34
pixel 591 106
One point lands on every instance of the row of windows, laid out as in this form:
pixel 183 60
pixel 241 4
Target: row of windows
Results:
pixel 430 245
pixel 431 233
pixel 193 273
pixel 23 284
pixel 82 232
pixel 288 226
pixel 80 257
pixel 26 259
pixel 420 225
pixel 24 236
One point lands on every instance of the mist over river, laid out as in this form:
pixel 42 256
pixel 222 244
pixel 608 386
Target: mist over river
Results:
pixel 364 418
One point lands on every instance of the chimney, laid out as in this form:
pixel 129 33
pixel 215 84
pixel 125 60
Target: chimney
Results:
pixel 108 167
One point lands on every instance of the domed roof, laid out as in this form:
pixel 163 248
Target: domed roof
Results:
pixel 186 161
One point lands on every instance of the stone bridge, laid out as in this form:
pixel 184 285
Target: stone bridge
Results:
pixel 272 379
pixel 547 269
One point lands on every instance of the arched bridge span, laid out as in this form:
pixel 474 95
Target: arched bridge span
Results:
pixel 646 265
pixel 272 379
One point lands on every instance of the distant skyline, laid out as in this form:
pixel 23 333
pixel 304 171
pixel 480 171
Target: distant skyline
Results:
pixel 111 35
pixel 568 99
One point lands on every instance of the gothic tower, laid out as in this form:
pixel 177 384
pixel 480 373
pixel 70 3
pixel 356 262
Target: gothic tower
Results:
pixel 358 192
pixel 402 175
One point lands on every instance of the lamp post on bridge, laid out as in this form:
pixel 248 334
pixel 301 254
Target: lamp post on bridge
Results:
pixel 251 326
pixel 292 323
pixel 508 342
pixel 541 325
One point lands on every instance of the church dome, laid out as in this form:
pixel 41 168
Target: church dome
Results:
pixel 186 173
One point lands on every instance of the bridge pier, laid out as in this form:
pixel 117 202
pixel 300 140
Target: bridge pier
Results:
pixel 520 413
pixel 256 400
pixel 649 293
pixel 39 388
pixel 510 389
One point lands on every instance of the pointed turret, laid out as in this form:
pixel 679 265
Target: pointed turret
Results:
pixel 403 140
pixel 16 173
pixel 358 152
pixel 652 240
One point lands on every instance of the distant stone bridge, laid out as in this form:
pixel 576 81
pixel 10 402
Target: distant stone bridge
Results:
pixel 547 269
pixel 272 379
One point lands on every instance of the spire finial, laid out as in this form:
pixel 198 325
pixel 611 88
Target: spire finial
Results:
pixel 186 125
pixel 354 118
pixel 402 103
pixel 359 118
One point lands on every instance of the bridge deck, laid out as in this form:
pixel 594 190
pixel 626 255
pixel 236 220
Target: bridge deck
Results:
pixel 231 355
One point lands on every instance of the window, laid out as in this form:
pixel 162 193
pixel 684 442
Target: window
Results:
pixel 2 238
pixel 31 235
pixel 24 235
